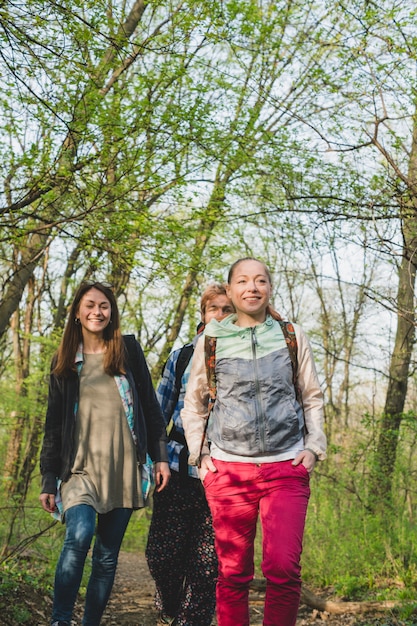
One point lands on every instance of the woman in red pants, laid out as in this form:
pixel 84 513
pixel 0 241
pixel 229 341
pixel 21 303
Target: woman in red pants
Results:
pixel 266 434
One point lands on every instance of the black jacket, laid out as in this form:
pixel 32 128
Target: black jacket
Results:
pixel 58 449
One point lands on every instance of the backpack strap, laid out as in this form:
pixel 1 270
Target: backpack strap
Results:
pixel 291 340
pixel 183 359
pixel 210 357
pixel 210 360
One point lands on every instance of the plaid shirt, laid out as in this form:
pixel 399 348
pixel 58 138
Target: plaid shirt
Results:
pixel 166 395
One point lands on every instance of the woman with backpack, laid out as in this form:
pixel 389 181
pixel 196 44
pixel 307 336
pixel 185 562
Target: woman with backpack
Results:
pixel 265 434
pixel 180 549
pixel 97 432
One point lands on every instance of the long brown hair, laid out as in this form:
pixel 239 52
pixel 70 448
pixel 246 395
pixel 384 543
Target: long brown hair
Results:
pixel 269 309
pixel 72 337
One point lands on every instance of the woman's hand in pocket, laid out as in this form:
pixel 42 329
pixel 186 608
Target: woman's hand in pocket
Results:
pixel 206 466
pixel 307 458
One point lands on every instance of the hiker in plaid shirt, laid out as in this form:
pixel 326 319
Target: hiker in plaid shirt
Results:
pixel 180 550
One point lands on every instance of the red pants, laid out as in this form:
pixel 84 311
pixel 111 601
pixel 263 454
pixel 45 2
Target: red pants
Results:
pixel 236 493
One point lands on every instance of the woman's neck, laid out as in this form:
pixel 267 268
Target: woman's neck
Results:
pixel 248 321
pixel 93 344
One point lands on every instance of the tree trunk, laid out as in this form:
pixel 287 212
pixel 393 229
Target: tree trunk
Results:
pixel 190 284
pixel 204 231
pixel 34 247
pixel 380 485
pixel 19 417
pixel 329 606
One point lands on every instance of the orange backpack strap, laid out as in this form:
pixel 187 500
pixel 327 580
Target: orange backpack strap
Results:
pixel 210 358
pixel 291 340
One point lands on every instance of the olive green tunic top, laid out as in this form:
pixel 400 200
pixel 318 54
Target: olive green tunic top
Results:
pixel 105 473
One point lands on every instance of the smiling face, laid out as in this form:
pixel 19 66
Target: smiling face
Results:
pixel 94 312
pixel 250 291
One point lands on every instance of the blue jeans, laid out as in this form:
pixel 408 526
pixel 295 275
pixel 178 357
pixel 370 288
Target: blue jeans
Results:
pixel 80 523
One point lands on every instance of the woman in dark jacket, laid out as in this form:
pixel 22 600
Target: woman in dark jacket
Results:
pixel 102 419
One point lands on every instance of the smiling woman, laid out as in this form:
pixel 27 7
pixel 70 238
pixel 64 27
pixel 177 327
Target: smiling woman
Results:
pixel 259 459
pixel 94 322
pixel 94 315
pixel 97 431
pixel 249 288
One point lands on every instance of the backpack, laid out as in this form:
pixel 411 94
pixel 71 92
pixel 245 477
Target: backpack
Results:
pixel 210 357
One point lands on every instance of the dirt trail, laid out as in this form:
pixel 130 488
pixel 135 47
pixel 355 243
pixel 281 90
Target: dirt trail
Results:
pixel 131 602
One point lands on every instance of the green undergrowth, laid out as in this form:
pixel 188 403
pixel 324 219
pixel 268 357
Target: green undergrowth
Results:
pixel 355 554
pixel 27 571
pixel 21 578
pixel 350 554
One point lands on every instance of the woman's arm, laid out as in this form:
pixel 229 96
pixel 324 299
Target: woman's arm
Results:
pixel 312 395
pixel 194 413
pixel 51 452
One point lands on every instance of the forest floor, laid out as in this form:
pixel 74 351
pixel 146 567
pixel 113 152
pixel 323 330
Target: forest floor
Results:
pixel 131 604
